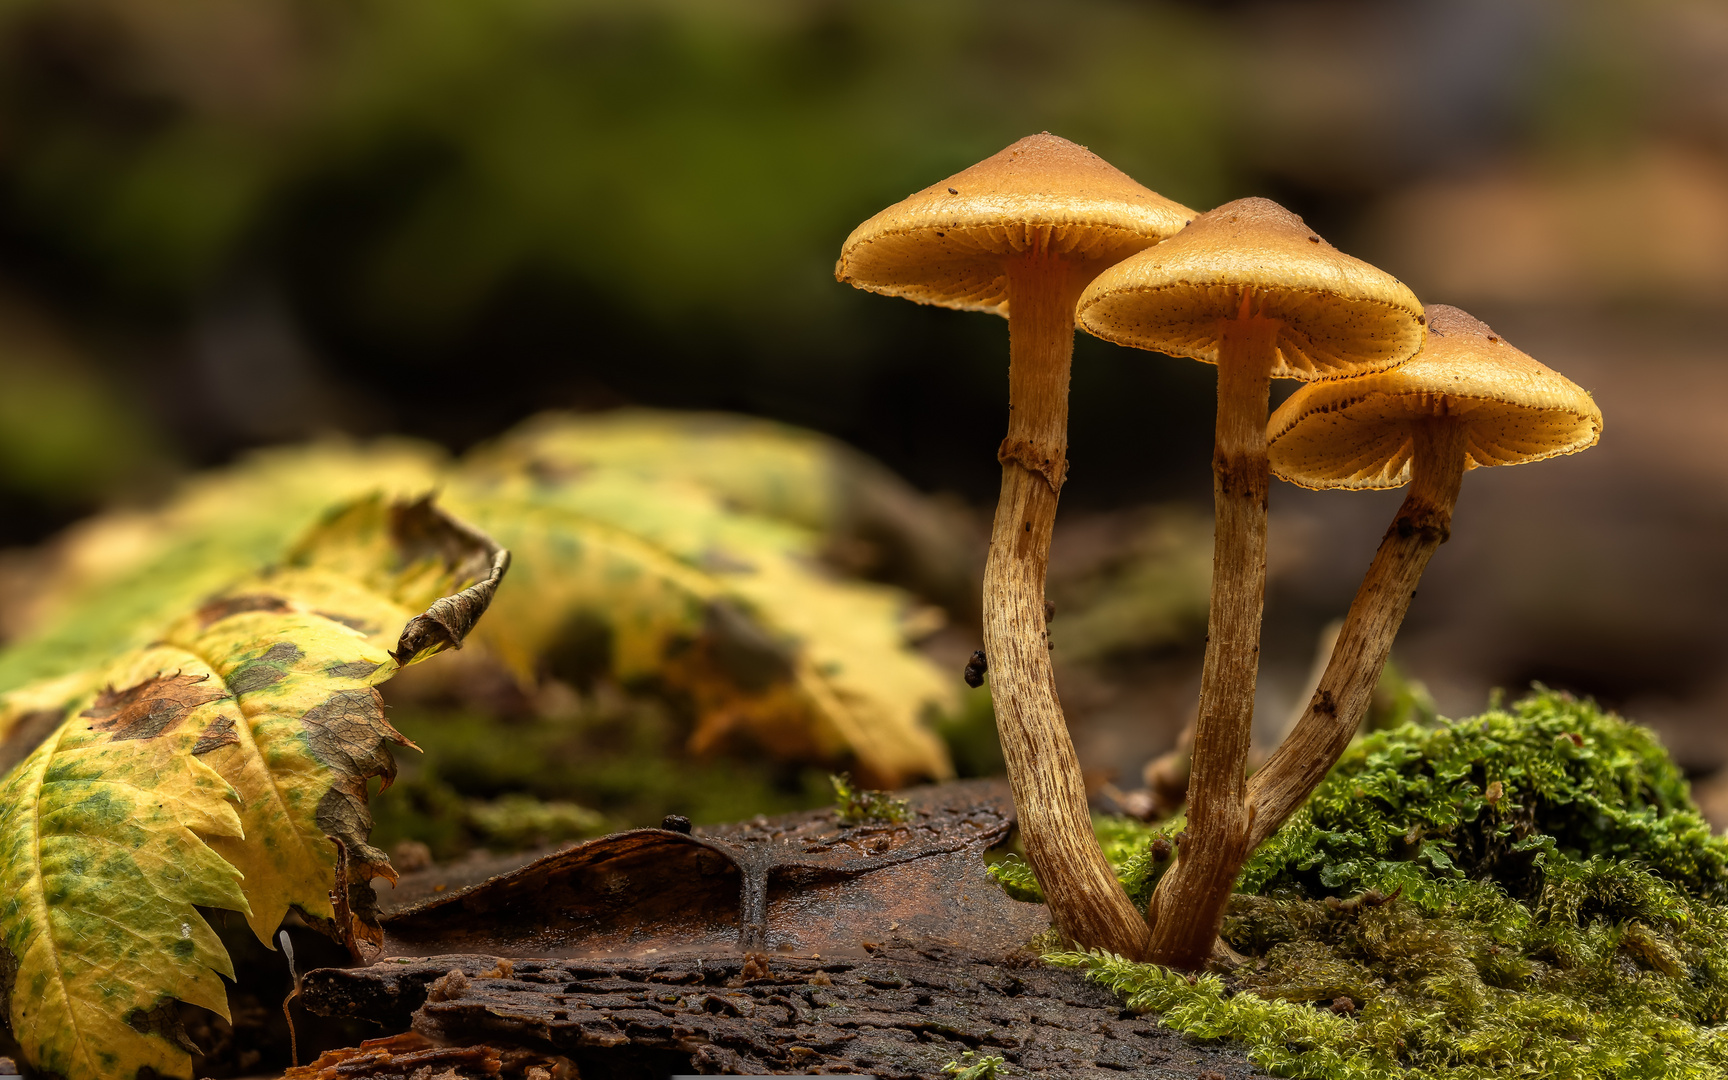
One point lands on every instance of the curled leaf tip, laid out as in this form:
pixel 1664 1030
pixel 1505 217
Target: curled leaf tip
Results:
pixel 446 623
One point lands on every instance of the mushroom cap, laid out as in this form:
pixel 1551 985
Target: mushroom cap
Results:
pixel 946 244
pixel 1339 315
pixel 1356 433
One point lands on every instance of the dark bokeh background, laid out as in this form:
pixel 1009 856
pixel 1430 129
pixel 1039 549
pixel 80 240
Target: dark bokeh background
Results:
pixel 226 225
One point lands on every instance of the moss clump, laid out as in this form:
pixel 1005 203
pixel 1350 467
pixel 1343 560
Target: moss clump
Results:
pixel 1139 853
pixel 1529 893
pixel 975 1066
pixel 864 806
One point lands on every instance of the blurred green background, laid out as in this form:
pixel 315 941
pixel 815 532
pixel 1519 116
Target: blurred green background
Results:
pixel 229 225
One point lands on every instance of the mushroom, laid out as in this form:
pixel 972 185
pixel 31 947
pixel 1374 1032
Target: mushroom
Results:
pixel 1250 288
pixel 1468 399
pixel 1020 234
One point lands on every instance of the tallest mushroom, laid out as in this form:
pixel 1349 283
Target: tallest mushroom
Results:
pixel 1250 288
pixel 1021 234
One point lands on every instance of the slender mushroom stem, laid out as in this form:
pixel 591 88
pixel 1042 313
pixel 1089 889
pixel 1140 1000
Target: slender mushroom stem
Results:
pixel 1086 901
pixel 1422 525
pixel 1188 905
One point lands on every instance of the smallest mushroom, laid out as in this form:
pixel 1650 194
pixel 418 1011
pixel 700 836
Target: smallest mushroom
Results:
pixel 1467 399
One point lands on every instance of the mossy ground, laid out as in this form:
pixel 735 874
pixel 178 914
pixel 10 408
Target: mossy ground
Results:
pixel 1526 893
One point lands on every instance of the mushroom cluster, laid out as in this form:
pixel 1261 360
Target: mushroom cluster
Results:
pixel 1051 236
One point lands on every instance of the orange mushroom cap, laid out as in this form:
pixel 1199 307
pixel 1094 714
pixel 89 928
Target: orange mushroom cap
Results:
pixel 1356 433
pixel 1339 315
pixel 946 244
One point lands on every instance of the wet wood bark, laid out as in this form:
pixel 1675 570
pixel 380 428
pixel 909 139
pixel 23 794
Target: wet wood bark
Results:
pixel 792 944
pixel 902 1014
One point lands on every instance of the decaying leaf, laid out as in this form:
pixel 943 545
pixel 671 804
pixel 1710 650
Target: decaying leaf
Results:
pixel 701 547
pixel 112 581
pixel 104 848
pixel 870 521
pixel 734 610
pixel 795 884
pixel 223 765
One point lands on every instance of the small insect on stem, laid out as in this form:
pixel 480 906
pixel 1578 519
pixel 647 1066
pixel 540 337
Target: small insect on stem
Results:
pixel 975 669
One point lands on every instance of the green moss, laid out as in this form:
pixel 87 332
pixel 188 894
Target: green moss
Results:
pixel 1139 853
pixel 1014 874
pixel 1418 808
pixel 1528 893
pixel 975 1066
pixel 864 806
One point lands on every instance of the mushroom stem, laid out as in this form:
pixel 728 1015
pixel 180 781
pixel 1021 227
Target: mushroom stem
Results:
pixel 1422 525
pixel 1188 905
pixel 1086 901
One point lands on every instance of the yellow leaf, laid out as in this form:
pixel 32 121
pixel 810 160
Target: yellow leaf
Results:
pixel 112 581
pixel 104 834
pixel 736 610
pixel 867 519
pixel 703 545
pixel 218 766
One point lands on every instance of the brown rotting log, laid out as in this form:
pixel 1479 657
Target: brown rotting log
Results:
pixel 902 1014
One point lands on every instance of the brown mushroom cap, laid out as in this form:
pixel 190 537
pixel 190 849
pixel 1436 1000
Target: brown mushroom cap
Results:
pixel 1340 315
pixel 945 245
pixel 1356 433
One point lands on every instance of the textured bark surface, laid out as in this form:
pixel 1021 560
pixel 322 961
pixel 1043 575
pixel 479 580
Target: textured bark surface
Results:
pixel 412 1056
pixel 1086 900
pixel 1422 524
pixel 1188 906
pixel 903 1013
